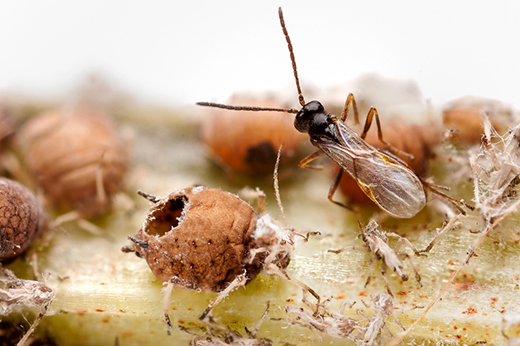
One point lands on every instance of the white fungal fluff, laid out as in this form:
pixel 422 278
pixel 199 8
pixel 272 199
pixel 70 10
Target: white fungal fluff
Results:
pixel 496 168
pixel 271 239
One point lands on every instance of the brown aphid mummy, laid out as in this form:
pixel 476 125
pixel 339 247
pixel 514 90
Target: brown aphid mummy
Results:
pixel 22 218
pixel 78 158
pixel 7 123
pixel 209 240
pixel 466 115
pixel 247 143
pixel 377 242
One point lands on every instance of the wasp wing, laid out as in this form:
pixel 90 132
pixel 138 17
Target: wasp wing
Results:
pixel 394 187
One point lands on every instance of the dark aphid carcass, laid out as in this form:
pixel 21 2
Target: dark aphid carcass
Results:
pixel 22 218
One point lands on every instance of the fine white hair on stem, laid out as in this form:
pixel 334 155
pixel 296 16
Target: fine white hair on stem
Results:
pixel 276 185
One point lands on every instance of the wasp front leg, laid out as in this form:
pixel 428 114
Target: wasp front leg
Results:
pixel 304 163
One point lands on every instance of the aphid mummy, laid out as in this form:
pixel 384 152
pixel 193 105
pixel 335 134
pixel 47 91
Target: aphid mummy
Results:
pixel 383 177
pixel 22 219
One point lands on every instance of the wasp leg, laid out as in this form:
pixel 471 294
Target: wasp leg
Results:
pixel 303 163
pixel 455 202
pixel 332 191
pixel 368 123
pixel 350 101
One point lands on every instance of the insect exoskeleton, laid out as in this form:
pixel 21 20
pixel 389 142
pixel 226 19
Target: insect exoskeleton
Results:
pixel 248 143
pixel 416 140
pixel 465 115
pixel 22 218
pixel 208 239
pixel 77 156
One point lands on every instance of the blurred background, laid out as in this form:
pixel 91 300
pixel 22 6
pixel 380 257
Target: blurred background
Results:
pixel 175 53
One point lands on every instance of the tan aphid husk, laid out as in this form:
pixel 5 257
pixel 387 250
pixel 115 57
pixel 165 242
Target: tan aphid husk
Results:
pixel 65 148
pixel 22 218
pixel 7 123
pixel 198 238
pixel 248 142
pixel 417 140
pixel 465 115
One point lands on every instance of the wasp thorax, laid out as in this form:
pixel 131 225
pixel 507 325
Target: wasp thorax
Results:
pixel 311 118
pixel 22 218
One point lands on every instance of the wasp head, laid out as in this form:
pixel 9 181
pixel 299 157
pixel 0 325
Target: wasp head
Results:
pixel 312 119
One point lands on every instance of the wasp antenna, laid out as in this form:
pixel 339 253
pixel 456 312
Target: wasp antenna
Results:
pixel 247 108
pixel 291 53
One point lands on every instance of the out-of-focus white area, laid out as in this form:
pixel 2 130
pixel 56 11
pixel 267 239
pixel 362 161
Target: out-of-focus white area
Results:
pixel 180 52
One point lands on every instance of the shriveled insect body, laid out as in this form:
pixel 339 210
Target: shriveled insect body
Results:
pixel 383 307
pixel 217 334
pixel 383 177
pixel 319 317
pixel 377 242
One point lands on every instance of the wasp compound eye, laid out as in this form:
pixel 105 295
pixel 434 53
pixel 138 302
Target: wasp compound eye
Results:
pixel 306 116
pixel 22 218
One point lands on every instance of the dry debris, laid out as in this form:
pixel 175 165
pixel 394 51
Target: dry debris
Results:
pixel 364 332
pixel 496 169
pixel 377 242
pixel 216 334
pixel 17 293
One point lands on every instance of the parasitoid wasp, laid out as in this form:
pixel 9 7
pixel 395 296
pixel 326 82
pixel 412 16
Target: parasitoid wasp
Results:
pixel 384 178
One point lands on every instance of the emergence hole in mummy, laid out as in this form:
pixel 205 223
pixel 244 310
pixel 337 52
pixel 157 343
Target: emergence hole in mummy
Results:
pixel 168 217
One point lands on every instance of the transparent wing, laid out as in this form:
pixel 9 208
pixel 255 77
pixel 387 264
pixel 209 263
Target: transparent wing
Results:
pixel 391 185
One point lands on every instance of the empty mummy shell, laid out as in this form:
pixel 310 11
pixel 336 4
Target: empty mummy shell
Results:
pixel 77 156
pixel 203 238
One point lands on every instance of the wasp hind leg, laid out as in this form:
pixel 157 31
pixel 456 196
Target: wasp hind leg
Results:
pixel 368 122
pixel 455 202
pixel 332 191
